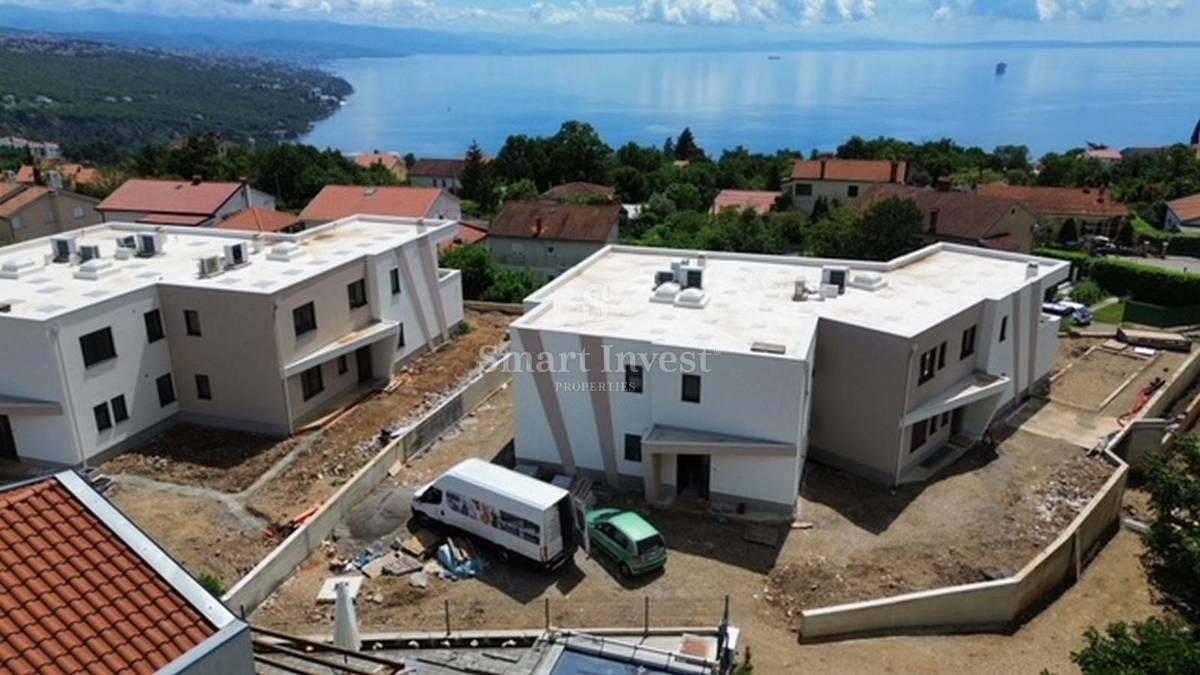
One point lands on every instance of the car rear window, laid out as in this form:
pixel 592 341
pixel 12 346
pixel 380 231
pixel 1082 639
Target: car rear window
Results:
pixel 649 544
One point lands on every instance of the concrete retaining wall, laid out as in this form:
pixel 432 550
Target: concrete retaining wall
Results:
pixel 516 309
pixel 990 605
pixel 279 565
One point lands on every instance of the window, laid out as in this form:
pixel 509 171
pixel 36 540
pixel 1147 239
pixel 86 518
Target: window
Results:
pixel 77 212
pixel 549 250
pixel 203 389
pixel 941 356
pixel 633 379
pixel 968 342
pixel 166 390
pixel 928 366
pixel 51 217
pixel 691 388
pixel 191 318
pixel 17 223
pixel 394 275
pixel 803 189
pixel 852 191
pixel 154 327
pixel 103 421
pixel 343 365
pixel 358 294
pixel 933 425
pixel 633 447
pixel 400 340
pixel 918 436
pixel 946 418
pixel 119 412
pixel 304 318
pixel 97 347
pixel 1003 329
pixel 310 382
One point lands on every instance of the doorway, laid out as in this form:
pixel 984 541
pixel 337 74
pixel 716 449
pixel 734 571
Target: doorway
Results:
pixel 956 421
pixel 8 446
pixel 362 357
pixel 691 475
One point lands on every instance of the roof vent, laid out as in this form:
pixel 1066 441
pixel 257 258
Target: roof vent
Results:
pixel 691 298
pixel 94 269
pixel 285 251
pixel 209 266
pixel 1031 270
pixel 236 255
pixel 16 268
pixel 665 292
pixel 801 291
pixel 768 348
pixel 88 252
pixel 150 244
pixel 63 248
pixel 867 281
pixel 834 275
pixel 370 192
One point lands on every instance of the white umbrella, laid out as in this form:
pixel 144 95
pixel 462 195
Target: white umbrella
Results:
pixel 345 620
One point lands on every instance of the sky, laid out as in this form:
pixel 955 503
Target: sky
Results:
pixel 705 22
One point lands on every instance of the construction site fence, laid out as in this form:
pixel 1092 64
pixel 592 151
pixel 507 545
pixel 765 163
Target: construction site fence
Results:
pixel 279 565
pixel 1161 316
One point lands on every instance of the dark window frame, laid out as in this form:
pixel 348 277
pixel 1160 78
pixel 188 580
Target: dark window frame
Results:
pixel 918 437
pixel 97 347
pixel 803 189
pixel 968 342
pixel 191 319
pixel 312 382
pixel 154 326
pixel 1003 329
pixel 941 358
pixel 103 418
pixel 927 367
pixel 203 387
pixel 394 277
pixel 686 395
pixel 852 191
pixel 633 448
pixel 120 411
pixel 400 339
pixel 304 318
pixel 167 397
pixel 343 365
pixel 635 379
pixel 356 293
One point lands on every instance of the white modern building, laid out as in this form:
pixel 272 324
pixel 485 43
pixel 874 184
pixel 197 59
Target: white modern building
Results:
pixel 718 374
pixel 113 331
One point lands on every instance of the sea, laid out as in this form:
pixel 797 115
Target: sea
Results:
pixel 1049 99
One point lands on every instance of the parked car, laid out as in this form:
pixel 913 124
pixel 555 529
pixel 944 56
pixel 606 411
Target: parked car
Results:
pixel 516 513
pixel 628 538
pixel 1078 313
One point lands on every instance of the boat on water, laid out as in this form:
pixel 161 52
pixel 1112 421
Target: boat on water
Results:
pixel 1001 68
pixel 773 57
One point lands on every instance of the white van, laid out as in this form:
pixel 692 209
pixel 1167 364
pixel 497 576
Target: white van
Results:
pixel 521 515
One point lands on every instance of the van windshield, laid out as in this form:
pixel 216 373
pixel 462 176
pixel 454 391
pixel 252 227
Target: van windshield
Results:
pixel 649 545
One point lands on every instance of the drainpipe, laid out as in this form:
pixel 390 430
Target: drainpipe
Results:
pixel 912 351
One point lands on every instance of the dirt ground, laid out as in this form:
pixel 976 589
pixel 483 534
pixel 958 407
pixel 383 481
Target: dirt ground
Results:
pixel 1091 379
pixel 199 469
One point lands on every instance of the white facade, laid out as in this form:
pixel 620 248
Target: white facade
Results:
pixel 257 363
pixel 846 377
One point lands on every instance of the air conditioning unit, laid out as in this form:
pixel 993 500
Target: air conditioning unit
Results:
pixel 834 275
pixel 210 266
pixel 88 252
pixel 129 242
pixel 150 244
pixel 63 248
pixel 236 255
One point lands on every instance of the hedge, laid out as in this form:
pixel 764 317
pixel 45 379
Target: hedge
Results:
pixel 1078 258
pixel 1184 245
pixel 1146 283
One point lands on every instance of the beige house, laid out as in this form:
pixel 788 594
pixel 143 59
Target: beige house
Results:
pixel 1093 210
pixel 548 238
pixel 839 180
pixel 998 223
pixel 32 211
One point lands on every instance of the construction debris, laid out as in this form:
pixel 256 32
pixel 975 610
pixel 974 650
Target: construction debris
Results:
pixel 419 545
pixel 395 563
pixel 328 592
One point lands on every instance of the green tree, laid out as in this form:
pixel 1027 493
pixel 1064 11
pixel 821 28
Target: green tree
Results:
pixel 1125 234
pixel 1067 232
pixel 686 148
pixel 409 160
pixel 511 286
pixel 685 197
pixel 884 230
pixel 479 270
pixel 1152 647
pixel 521 191
pixel 478 185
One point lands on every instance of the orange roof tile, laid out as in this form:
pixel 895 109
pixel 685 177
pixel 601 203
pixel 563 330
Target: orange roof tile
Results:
pixel 387 159
pixel 857 170
pixel 579 190
pixel 259 220
pixel 339 201
pixel 466 236
pixel 762 202
pixel 1055 202
pixel 66 601
pixel 438 168
pixel 963 215
pixel 14 202
pixel 547 220
pixel 170 196
pixel 1186 209
pixel 25 174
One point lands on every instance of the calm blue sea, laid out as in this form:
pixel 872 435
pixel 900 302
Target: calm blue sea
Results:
pixel 1049 99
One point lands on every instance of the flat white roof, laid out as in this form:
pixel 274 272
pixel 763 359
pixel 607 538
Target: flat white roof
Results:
pixel 749 297
pixel 516 486
pixel 48 289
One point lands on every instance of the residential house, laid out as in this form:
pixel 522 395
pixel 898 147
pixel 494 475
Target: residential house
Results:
pixel 262 220
pixel 580 192
pixel 24 174
pixel 1183 215
pixel 469 232
pixel 761 202
pixel 838 180
pixel 965 218
pixel 1105 155
pixel 84 590
pixel 334 202
pixel 437 173
pixel 194 203
pixel 76 176
pixel 116 331
pixel 32 211
pixel 39 150
pixel 547 239
pixel 390 161
pixel 1093 210
pixel 718 375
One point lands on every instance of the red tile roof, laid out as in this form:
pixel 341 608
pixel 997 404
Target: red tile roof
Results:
pixel 466 236
pixel 762 202
pixel 25 174
pixel 259 220
pixel 547 220
pixel 960 215
pixel 1186 209
pixel 13 202
pixel 579 190
pixel 856 170
pixel 1105 154
pixel 368 160
pixel 169 196
pixel 1054 202
pixel 339 201
pixel 75 598
pixel 438 168
pixel 173 219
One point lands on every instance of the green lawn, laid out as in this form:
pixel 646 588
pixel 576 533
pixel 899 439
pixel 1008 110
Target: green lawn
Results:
pixel 1114 313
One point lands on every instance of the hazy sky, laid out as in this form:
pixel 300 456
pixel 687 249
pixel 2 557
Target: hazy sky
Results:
pixel 718 21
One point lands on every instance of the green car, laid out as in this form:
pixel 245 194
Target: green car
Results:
pixel 628 538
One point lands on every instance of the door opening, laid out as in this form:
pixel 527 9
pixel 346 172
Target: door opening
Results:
pixel 691 475
pixel 956 421
pixel 362 357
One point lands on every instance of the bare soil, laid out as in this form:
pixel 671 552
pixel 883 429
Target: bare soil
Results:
pixel 1093 378
pixel 186 454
